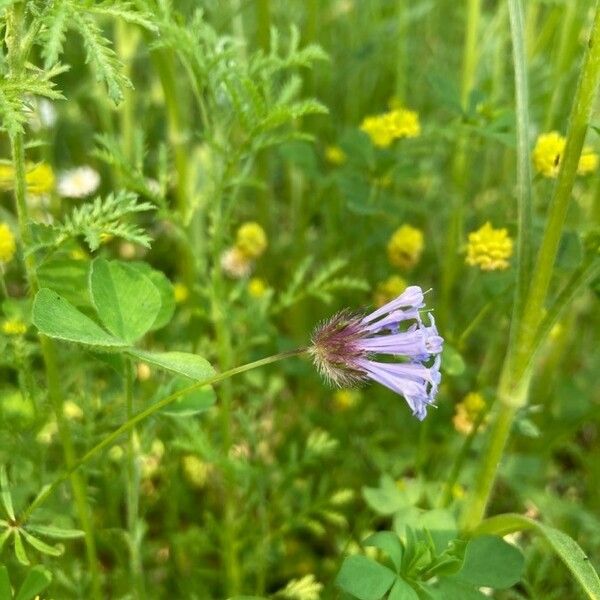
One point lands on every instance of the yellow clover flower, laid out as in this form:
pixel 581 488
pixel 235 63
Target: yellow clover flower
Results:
pixel 8 246
pixel 385 128
pixel 335 155
pixel 181 292
pixel 39 178
pixel 405 247
pixel 251 240
pixel 489 248
pixel 388 289
pixel 588 161
pixel 14 327
pixel 257 287
pixel 549 149
pixel 468 412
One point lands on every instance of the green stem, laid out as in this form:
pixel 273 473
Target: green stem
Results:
pixel 585 96
pixel 136 567
pixel 470 54
pixel 474 324
pixel 516 373
pixel 263 24
pixel 144 414
pixel 402 51
pixel 77 483
pixel 16 59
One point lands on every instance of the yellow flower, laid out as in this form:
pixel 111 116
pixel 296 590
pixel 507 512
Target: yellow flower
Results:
pixel 257 287
pixel 7 243
pixel 388 289
pixel 335 155
pixel 195 471
pixel 181 293
pixel 14 327
pixel 40 179
pixel 345 399
pixel 489 248
pixel 72 411
pixel 547 153
pixel 405 247
pixel 251 240
pixel 78 254
pixel 235 263
pixel 468 412
pixel 6 176
pixel 588 162
pixel 385 128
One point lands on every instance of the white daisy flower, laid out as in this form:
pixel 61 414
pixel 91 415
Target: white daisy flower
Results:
pixel 78 182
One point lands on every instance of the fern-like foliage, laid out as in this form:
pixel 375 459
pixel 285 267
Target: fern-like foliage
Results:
pixel 16 91
pixel 322 285
pixel 256 98
pixel 104 218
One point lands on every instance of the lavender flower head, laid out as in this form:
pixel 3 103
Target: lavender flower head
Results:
pixel 345 348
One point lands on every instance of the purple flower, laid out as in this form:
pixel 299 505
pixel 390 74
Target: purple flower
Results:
pixel 345 349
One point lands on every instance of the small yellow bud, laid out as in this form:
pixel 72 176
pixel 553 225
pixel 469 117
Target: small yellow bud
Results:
pixel 72 411
pixel 251 240
pixel 257 287
pixel 345 399
pixel 405 247
pixel 143 372
pixel 335 155
pixel 195 471
pixel 40 179
pixel 181 292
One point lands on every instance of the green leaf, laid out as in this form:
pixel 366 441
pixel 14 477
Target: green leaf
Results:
pixel 364 578
pixel 126 300
pixel 401 590
pixel 5 589
pixel 452 362
pixel 37 580
pixel 3 537
pixel 57 318
pixel 451 589
pixel 20 549
pixel 183 363
pixel 387 498
pixel 492 562
pixel 68 277
pixel 567 549
pixel 6 497
pixel 56 532
pixel 165 289
pixel 390 543
pixel 190 404
pixel 39 545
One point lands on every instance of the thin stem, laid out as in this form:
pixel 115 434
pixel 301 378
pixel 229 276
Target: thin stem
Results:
pixel 515 12
pixel 137 574
pixel 585 96
pixel 474 324
pixel 144 414
pixel 514 382
pixel 17 57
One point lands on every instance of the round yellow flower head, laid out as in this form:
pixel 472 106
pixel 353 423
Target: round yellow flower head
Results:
pixel 257 287
pixel 196 471
pixel 7 243
pixel 40 179
pixel 251 240
pixel 335 155
pixel 385 128
pixel 14 327
pixel 467 412
pixel 548 152
pixel 181 293
pixel 72 411
pixel 405 247
pixel 404 123
pixel 588 162
pixel 489 248
pixel 388 289
pixel 345 399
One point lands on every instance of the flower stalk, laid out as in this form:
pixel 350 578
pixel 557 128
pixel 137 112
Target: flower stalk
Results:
pixel 527 331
